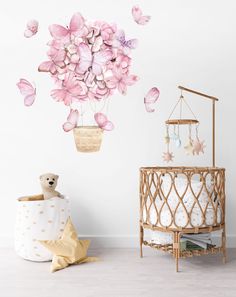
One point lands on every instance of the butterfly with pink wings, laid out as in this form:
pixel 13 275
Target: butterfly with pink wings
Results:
pixel 94 61
pixel 151 97
pixel 138 16
pixel 76 27
pixel 102 121
pixel 27 90
pixel 31 28
pixel 72 120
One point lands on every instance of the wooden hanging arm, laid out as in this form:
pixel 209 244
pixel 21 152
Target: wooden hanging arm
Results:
pixel 214 99
pixel 198 93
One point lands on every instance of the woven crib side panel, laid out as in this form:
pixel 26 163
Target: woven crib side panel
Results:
pixel 179 199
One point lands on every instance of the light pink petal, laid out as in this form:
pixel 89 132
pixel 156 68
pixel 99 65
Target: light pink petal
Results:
pixel 100 119
pixel 29 100
pixel 85 55
pixel 58 94
pixel 58 31
pixel 73 116
pixel 25 87
pixel 130 79
pixel 151 98
pixel 28 33
pixel 108 126
pixel 111 82
pixel 47 66
pixel 100 60
pixel 122 88
pixel 68 126
pixel 76 23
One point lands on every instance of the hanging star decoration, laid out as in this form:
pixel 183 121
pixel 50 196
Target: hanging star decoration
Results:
pixel 189 147
pixel 198 147
pixel 167 157
pixel 68 249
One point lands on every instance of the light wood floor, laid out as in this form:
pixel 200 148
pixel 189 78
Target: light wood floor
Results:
pixel 120 273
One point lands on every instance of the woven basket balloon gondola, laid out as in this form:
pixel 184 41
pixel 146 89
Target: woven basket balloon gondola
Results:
pixel 88 139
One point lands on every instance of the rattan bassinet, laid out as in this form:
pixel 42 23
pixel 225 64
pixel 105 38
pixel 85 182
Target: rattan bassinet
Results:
pixel 202 191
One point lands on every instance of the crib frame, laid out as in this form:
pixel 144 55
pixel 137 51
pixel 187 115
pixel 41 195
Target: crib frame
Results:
pixel 218 177
pixel 150 190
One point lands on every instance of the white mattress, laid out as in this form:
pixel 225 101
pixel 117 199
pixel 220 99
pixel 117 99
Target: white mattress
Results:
pixel 180 216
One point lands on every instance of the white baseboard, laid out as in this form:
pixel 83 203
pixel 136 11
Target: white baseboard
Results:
pixel 118 241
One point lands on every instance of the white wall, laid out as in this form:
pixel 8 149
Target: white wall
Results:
pixel 191 43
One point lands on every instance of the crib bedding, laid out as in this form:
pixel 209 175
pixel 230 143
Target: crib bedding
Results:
pixel 201 211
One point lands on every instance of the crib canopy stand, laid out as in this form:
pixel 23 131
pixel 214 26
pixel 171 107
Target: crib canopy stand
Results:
pixel 183 200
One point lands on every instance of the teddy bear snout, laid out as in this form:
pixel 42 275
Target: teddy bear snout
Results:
pixel 51 183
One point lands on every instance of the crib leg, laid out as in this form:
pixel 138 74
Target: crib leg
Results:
pixel 141 241
pixel 224 245
pixel 177 249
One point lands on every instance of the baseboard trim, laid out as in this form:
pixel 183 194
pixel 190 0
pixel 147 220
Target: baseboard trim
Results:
pixel 118 241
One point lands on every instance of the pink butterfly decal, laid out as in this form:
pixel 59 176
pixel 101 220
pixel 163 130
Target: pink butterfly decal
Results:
pixel 126 45
pixel 120 80
pixel 70 90
pixel 58 61
pixel 96 61
pixel 103 122
pixel 27 90
pixel 31 28
pixel 76 27
pixel 151 98
pixel 72 120
pixel 138 16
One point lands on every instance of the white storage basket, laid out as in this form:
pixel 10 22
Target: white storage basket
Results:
pixel 39 220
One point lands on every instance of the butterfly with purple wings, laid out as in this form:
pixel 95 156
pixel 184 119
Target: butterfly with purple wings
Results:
pixel 125 45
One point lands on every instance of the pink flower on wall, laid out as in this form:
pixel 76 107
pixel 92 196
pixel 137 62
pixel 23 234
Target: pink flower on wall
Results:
pixel 88 62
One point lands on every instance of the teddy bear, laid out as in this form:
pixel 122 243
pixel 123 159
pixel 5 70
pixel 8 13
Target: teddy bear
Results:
pixel 48 183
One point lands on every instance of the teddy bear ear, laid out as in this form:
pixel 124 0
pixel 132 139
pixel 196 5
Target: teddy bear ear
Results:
pixel 41 177
pixel 57 176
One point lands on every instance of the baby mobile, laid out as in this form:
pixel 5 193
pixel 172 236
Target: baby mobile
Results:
pixel 194 145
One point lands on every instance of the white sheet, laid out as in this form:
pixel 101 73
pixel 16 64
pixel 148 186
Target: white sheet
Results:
pixel 180 216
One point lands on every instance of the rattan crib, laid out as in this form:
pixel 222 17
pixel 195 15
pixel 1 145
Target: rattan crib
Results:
pixel 202 192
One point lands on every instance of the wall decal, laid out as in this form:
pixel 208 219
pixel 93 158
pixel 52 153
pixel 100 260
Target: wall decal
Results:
pixel 88 62
pixel 151 97
pixel 27 90
pixel 138 16
pixel 31 28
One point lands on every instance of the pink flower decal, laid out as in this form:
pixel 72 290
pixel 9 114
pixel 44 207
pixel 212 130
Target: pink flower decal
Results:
pixel 103 122
pixel 138 16
pixel 31 28
pixel 72 120
pixel 88 62
pixel 151 98
pixel 27 90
